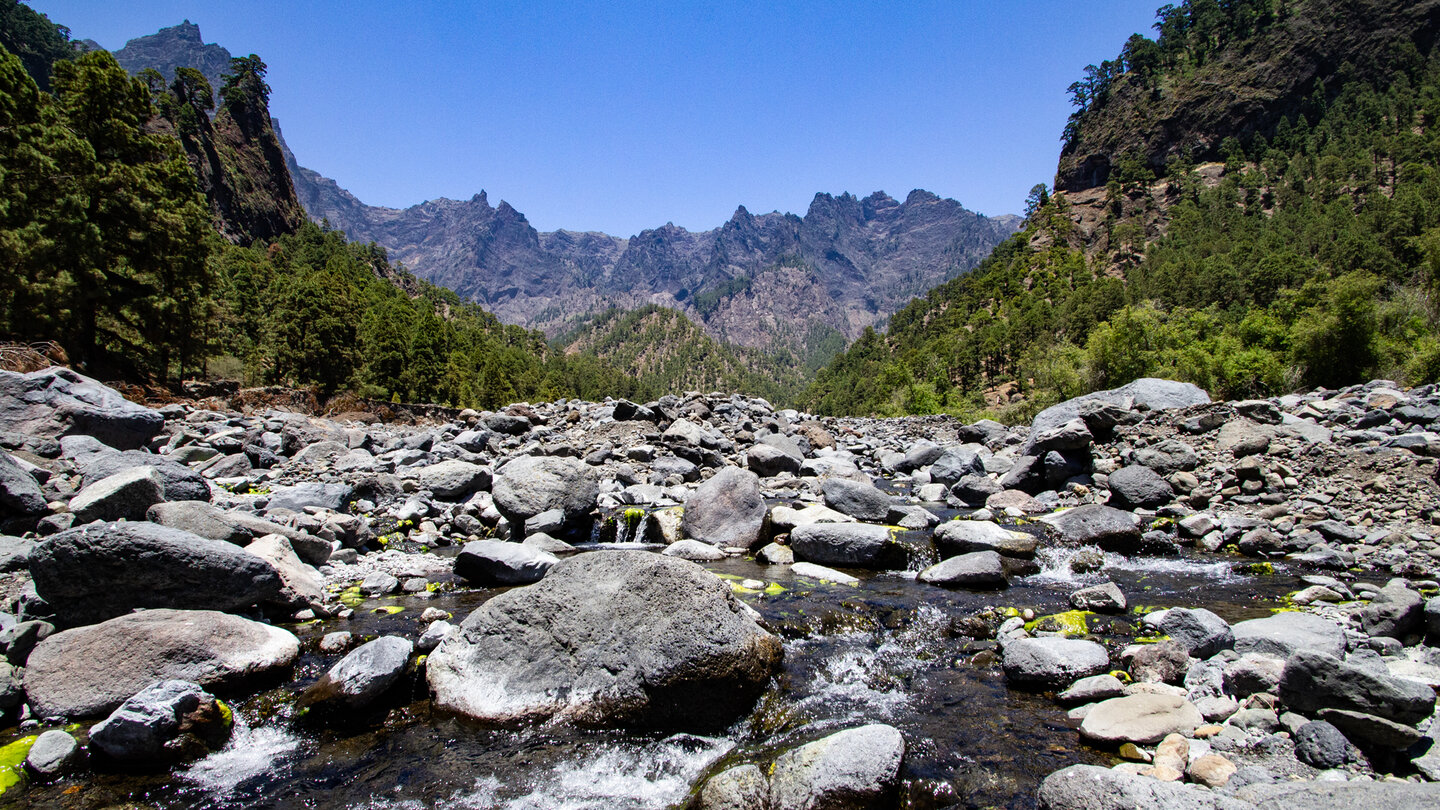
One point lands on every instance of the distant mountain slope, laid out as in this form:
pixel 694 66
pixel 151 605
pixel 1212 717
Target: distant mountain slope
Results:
pixel 867 256
pixel 662 351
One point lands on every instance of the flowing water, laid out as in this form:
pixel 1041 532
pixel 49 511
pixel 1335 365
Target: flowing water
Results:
pixel 886 650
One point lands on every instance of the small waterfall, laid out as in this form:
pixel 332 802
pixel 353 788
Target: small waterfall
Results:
pixel 1072 564
pixel 251 754
pixel 629 526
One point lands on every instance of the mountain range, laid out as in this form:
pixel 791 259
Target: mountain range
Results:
pixel 765 281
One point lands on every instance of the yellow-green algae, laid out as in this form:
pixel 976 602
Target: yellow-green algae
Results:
pixel 12 762
pixel 1070 623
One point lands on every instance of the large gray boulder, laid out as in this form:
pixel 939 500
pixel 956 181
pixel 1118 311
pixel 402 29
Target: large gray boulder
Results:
pixel 1093 524
pixel 727 510
pixel 954 464
pixel 206 520
pixel 361 677
pixel 335 497
pixel 1139 486
pixel 855 768
pixel 621 638
pixel 1053 662
pixel 529 485
pixel 1142 719
pixel 89 671
pixel 1284 634
pixel 978 570
pixel 126 495
pixel 852 545
pixel 300 584
pixel 766 460
pixel 1147 393
pixel 59 402
pixel 454 479
pixel 157 724
pixel 1090 787
pixel 860 501
pixel 1199 631
pixel 177 482
pixel 964 536
pixel 1313 680
pixel 495 562
pixel 20 494
pixel 93 573
pixel 743 787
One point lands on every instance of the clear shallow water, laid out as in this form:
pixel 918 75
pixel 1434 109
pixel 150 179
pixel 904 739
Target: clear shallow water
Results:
pixel 886 650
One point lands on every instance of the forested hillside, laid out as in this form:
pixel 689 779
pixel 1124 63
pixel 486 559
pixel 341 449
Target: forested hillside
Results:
pixel 663 351
pixel 1307 253
pixel 153 240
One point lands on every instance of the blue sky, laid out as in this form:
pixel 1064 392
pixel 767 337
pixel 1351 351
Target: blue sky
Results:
pixel 619 116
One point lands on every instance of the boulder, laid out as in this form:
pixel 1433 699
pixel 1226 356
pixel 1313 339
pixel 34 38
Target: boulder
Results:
pixel 854 768
pixel 177 481
pixel 1148 393
pixel 623 638
pixel 14 552
pixel 820 572
pixel 743 787
pixel 20 494
pixel 852 545
pixel 954 464
pixel 495 562
pixel 1284 634
pixel 54 754
pixel 454 479
pixel 1139 486
pixel 1394 611
pixel 1168 457
pixel 334 497
pixel 126 495
pixel 93 573
pixel 1089 787
pixel 529 485
pixel 200 517
pixel 1315 680
pixel 767 460
pixel 919 454
pixel 361 677
pixel 1052 662
pixel 165 722
pixel 860 501
pixel 963 536
pixel 1163 662
pixel 1141 719
pixel 978 570
pixel 1103 598
pixel 1321 745
pixel 727 510
pixel 300 584
pixel 1199 631
pixel 1093 524
pixel 59 402
pixel 1092 689
pixel 694 550
pixel 91 670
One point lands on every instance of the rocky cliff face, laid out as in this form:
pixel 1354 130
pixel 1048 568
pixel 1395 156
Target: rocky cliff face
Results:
pixel 235 150
pixel 1299 56
pixel 176 46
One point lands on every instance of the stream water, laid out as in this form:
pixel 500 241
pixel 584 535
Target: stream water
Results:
pixel 886 650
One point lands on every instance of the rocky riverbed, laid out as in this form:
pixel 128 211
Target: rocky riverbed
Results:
pixel 1141 599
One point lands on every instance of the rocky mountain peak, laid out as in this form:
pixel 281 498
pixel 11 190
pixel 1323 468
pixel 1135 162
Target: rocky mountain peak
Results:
pixel 177 46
